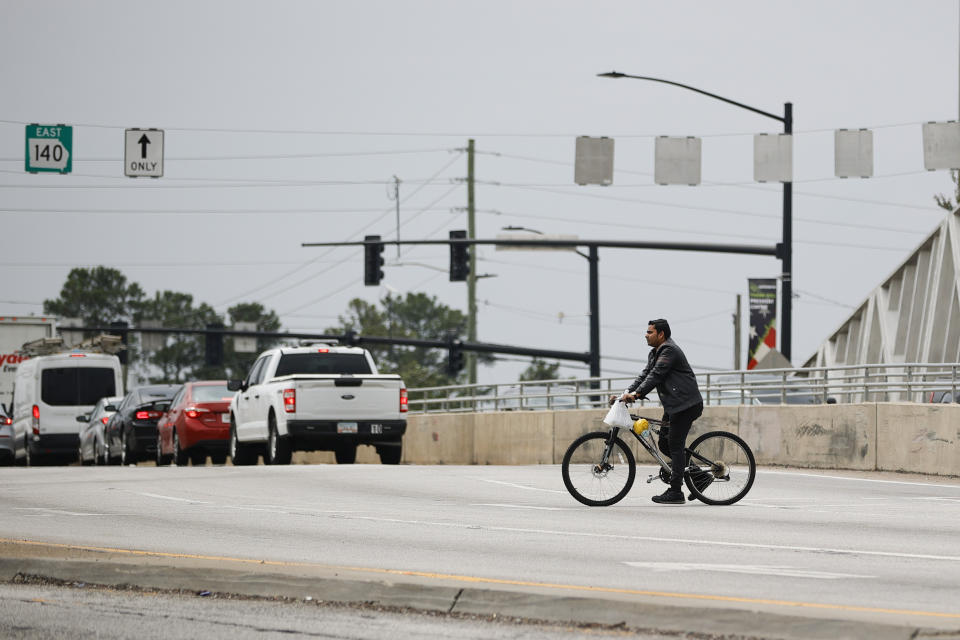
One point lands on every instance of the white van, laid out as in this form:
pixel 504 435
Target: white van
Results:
pixel 48 394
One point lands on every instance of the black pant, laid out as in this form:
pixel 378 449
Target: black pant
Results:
pixel 680 424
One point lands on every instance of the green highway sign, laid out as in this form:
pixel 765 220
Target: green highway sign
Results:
pixel 49 148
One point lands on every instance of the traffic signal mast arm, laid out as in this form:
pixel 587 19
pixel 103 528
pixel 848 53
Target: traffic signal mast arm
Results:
pixel 750 249
pixel 351 338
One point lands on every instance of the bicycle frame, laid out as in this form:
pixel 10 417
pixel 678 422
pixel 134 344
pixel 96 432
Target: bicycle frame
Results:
pixel 652 449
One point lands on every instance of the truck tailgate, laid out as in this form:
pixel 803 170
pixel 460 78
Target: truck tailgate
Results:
pixel 372 399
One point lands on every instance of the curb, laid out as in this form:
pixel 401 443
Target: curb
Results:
pixel 709 621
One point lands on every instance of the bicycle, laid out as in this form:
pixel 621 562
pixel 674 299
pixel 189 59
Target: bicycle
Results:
pixel 599 468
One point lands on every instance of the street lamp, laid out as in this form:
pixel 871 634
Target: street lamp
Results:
pixel 593 258
pixel 784 249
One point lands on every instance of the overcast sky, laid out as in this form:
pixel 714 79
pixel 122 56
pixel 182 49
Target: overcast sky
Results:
pixel 286 122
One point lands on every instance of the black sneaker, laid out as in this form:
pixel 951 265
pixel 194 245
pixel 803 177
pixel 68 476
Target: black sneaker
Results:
pixel 670 496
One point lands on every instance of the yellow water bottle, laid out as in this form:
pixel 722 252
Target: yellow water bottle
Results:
pixel 640 426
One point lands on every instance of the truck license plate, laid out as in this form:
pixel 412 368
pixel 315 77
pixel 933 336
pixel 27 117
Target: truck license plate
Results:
pixel 346 427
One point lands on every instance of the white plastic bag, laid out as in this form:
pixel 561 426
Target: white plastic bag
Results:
pixel 619 416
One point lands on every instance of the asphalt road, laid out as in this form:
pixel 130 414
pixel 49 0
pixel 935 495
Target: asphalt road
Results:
pixel 865 548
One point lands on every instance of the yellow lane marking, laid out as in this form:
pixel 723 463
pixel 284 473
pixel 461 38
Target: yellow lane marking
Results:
pixel 493 581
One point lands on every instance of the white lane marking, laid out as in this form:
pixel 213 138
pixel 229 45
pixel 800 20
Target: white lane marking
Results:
pixel 817 475
pixel 519 486
pixel 615 536
pixel 160 497
pixel 520 506
pixel 59 512
pixel 753 569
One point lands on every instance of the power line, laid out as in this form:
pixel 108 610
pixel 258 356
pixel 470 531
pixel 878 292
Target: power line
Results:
pixel 306 264
pixel 451 134
pixel 284 156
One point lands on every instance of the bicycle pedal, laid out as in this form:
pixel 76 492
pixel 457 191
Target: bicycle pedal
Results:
pixel 650 478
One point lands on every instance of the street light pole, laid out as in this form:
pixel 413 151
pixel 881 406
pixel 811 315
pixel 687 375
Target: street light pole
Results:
pixel 593 258
pixel 785 249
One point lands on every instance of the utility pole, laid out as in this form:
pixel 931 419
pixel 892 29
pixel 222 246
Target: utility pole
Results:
pixel 472 276
pixel 736 336
pixel 396 197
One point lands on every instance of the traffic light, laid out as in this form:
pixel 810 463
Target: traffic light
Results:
pixel 454 357
pixel 120 328
pixel 214 345
pixel 459 257
pixel 372 261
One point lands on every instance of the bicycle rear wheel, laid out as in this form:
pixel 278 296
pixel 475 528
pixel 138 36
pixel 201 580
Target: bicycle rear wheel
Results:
pixel 594 480
pixel 722 468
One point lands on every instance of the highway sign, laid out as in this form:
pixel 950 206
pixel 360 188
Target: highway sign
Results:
pixel 143 153
pixel 49 148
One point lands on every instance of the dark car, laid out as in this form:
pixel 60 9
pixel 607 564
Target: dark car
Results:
pixel 196 425
pixel 131 434
pixel 6 438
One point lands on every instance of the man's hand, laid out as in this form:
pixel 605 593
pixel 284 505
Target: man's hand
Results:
pixel 626 398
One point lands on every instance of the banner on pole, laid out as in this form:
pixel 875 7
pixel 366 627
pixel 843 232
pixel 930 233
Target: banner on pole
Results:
pixel 763 319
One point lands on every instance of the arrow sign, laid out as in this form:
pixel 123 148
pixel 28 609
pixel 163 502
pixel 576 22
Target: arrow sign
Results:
pixel 143 156
pixel 143 142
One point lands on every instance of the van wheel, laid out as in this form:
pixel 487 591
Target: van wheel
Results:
pixel 346 453
pixel 279 450
pixel 240 453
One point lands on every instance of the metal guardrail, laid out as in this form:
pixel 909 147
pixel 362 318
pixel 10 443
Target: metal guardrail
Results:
pixel 910 382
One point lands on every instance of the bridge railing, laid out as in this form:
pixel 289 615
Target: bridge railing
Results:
pixel 901 382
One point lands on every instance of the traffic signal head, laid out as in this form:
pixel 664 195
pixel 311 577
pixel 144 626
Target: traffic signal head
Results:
pixel 214 345
pixel 372 261
pixel 459 257
pixel 454 358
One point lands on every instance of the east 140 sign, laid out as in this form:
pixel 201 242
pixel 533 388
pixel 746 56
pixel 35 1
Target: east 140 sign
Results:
pixel 143 153
pixel 49 148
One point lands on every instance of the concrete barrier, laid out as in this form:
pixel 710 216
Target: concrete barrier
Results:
pixel 919 438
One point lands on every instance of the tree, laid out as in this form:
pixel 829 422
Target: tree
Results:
pixel 98 296
pixel 238 364
pixel 540 370
pixel 181 358
pixel 415 316
pixel 944 202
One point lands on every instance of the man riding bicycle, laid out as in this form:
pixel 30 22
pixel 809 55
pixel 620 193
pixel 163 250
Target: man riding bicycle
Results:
pixel 669 372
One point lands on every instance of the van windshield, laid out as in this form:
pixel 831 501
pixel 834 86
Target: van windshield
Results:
pixel 329 363
pixel 76 386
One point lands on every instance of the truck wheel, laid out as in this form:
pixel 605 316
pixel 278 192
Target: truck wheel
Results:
pixel 240 454
pixel 198 457
pixel 218 458
pixel 390 455
pixel 346 453
pixel 279 450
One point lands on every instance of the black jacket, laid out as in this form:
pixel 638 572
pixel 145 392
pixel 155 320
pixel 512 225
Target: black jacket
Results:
pixel 668 370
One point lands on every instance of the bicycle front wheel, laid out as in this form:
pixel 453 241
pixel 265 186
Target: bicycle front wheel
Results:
pixel 594 476
pixel 721 468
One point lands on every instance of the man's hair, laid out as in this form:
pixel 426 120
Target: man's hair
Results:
pixel 661 325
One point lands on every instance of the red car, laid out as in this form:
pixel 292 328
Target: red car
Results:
pixel 196 425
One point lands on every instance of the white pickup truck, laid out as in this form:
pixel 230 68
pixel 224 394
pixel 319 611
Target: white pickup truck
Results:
pixel 317 397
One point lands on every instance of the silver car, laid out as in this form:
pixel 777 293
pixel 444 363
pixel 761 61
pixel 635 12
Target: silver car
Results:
pixel 91 449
